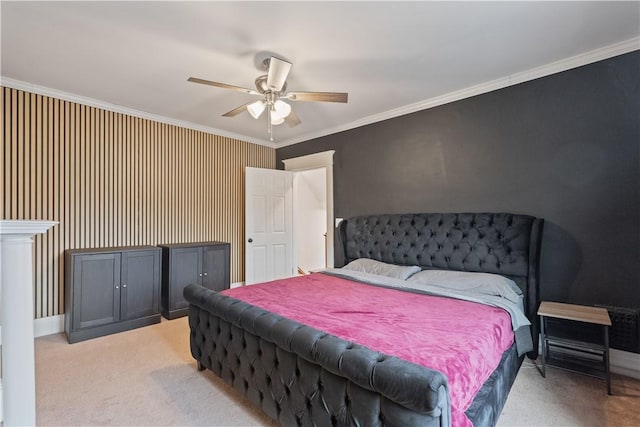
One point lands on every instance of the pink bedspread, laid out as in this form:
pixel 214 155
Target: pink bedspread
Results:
pixel 463 340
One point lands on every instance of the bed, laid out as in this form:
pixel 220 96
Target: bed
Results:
pixel 300 374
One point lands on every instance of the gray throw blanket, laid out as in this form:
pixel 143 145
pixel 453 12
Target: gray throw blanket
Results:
pixel 519 321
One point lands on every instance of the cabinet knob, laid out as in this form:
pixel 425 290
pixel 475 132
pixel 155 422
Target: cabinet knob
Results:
pixel 205 274
pixel 250 240
pixel 124 286
pixel 117 287
pixel 200 274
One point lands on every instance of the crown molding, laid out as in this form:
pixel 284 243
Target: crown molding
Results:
pixel 500 83
pixel 91 102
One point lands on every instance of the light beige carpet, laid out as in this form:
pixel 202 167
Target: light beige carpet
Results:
pixel 147 377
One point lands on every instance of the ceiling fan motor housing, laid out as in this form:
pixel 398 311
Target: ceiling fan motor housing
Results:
pixel 261 85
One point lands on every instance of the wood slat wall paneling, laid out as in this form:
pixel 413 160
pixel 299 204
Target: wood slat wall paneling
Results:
pixel 13 153
pixel 4 146
pixel 116 180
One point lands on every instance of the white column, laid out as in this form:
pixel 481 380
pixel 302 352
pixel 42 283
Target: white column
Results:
pixel 16 283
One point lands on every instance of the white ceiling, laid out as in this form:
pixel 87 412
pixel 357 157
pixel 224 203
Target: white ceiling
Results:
pixel 391 57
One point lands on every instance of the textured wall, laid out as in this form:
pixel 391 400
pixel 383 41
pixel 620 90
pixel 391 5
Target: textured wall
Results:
pixel 564 148
pixel 116 180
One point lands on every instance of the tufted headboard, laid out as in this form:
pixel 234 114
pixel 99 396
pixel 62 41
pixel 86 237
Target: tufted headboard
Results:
pixel 500 243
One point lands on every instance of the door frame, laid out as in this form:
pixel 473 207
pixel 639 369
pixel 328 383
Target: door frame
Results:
pixel 320 160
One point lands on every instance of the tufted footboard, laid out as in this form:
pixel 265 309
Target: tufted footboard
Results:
pixel 301 376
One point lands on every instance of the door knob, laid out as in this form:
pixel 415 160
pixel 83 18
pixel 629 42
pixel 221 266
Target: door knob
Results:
pixel 250 240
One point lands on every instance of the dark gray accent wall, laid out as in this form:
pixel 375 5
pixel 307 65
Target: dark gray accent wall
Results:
pixel 564 148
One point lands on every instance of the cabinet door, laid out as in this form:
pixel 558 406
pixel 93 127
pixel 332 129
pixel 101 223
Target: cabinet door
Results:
pixel 215 267
pixel 96 290
pixel 139 287
pixel 185 270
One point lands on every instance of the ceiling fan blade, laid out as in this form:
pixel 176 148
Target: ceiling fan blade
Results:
pixel 318 96
pixel 223 85
pixel 237 110
pixel 292 120
pixel 278 73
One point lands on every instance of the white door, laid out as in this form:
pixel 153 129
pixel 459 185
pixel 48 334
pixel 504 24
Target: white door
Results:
pixel 268 225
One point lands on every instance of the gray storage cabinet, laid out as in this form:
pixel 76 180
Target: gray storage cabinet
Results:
pixel 203 263
pixel 110 290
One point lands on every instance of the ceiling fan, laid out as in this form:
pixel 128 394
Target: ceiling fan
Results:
pixel 272 89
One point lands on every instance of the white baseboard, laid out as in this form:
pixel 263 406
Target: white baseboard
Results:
pixel 237 284
pixel 45 326
pixel 622 362
pixel 625 363
pixel 48 325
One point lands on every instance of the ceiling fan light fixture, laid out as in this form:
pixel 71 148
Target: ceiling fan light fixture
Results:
pixel 280 109
pixel 256 108
pixel 275 119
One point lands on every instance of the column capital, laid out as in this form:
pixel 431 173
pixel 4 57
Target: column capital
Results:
pixel 22 228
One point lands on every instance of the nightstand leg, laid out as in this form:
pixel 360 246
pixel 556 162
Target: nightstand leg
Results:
pixel 544 346
pixel 606 359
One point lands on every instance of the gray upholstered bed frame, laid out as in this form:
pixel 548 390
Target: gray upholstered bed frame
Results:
pixel 301 376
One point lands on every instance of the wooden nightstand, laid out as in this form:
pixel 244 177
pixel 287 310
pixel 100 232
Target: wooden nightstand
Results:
pixel 571 360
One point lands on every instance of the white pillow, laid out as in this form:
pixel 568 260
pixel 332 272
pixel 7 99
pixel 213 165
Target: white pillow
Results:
pixel 479 283
pixel 372 266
